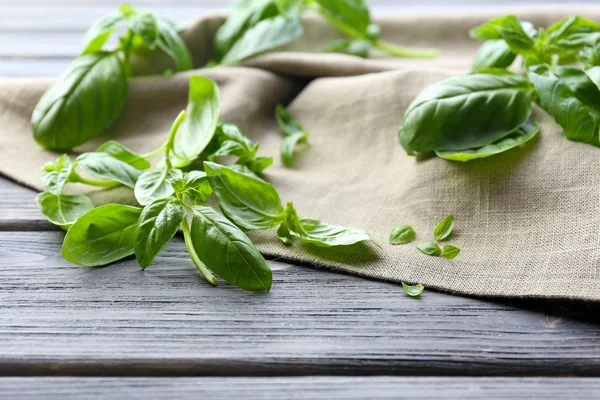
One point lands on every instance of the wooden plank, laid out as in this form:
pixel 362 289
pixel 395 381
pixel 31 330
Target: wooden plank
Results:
pixel 18 210
pixel 114 321
pixel 314 388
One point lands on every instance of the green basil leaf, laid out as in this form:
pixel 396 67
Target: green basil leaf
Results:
pixel 230 148
pixel 493 53
pixel 568 36
pixel 359 48
pixel 171 43
pixel 247 200
pixel 590 55
pixel 145 26
pixel 63 210
pixel 265 35
pixel 321 234
pixel 509 28
pixel 122 153
pixel 98 34
pixel 572 98
pixel 462 112
pixel 154 185
pixel 259 164
pixel 286 122
pixel 157 224
pixel 103 165
pixel 82 102
pixel 101 236
pixel 57 174
pixel 413 290
pixel 290 8
pixel 242 20
pixel 228 252
pixel 283 233
pixel 294 132
pixel 524 134
pixel 195 186
pixel 201 122
pixel 288 145
pixel 350 16
pixel 450 252
pixel 402 234
pixel 430 248
pixel 444 229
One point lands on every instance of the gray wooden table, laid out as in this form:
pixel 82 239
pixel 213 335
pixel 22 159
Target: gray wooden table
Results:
pixel 118 332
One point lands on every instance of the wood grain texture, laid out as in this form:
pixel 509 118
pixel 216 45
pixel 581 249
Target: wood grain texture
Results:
pixel 18 210
pixel 305 388
pixel 59 319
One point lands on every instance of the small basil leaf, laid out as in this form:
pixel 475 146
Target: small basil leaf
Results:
pixel 63 210
pixel 230 148
pixel 242 20
pixel 157 225
pixel 259 164
pixel 101 236
pixel 95 38
pixel 358 48
pixel 145 26
pixel 444 229
pixel 572 98
pixel 321 234
pixel 82 102
pixel 524 134
pixel 202 118
pixel 247 200
pixel 286 122
pixel 350 16
pixel 430 248
pixel 120 152
pixel 590 55
pixel 509 28
pixel 493 53
pixel 413 290
pixel 288 145
pixel 57 174
pixel 171 43
pixel 568 36
pixel 154 185
pixel 103 165
pixel 228 252
pixel 462 112
pixel 450 252
pixel 265 35
pixel 283 233
pixel 294 132
pixel 402 234
pixel 195 186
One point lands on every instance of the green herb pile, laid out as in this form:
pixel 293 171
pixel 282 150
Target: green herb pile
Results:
pixel 174 195
pixel 489 110
pixel 257 26
pixel 89 96
pixel 405 234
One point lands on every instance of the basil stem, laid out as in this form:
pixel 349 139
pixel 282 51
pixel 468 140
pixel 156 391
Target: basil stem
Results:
pixel 199 264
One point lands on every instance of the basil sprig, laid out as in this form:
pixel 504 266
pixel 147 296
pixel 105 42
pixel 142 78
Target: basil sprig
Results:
pixel 175 197
pixel 256 27
pixel 89 96
pixel 488 112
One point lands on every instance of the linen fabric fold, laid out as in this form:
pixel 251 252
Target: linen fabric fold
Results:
pixel 527 221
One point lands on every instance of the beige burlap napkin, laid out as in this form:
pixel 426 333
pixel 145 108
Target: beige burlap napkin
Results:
pixel 528 221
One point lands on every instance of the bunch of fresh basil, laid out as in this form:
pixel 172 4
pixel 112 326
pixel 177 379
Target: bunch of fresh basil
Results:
pixel 488 111
pixel 88 97
pixel 258 26
pixel 174 196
